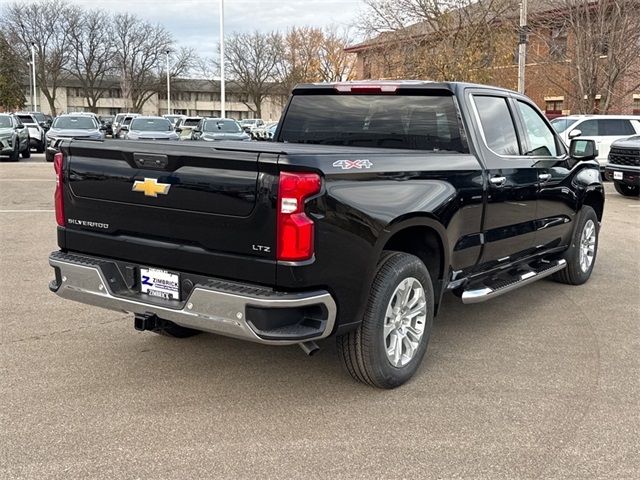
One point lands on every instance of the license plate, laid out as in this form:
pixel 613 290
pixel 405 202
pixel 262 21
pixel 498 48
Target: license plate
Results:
pixel 160 283
pixel 617 175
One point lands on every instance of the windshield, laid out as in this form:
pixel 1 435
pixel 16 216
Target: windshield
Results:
pixel 248 122
pixel 74 123
pixel 221 126
pixel 26 119
pixel 561 124
pixel 151 124
pixel 191 122
pixel 5 121
pixel 39 116
pixel 416 122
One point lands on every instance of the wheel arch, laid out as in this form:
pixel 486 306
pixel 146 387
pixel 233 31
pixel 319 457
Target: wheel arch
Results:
pixel 594 198
pixel 424 237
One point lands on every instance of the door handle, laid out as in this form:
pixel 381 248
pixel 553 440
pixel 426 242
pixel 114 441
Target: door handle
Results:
pixel 498 181
pixel 544 177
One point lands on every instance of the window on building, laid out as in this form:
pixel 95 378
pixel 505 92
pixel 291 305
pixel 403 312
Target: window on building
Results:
pixel 204 97
pixel 497 125
pixel 636 105
pixel 558 43
pixel 554 107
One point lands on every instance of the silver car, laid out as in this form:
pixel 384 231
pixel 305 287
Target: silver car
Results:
pixel 149 128
pixel 14 137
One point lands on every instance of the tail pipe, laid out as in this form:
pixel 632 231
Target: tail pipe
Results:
pixel 310 348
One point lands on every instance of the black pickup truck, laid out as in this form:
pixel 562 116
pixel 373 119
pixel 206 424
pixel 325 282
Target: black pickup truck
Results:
pixel 375 200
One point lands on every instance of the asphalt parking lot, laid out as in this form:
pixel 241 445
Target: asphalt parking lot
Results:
pixel 541 383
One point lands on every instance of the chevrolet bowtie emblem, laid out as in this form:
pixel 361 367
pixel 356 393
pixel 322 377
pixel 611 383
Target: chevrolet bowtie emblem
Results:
pixel 150 187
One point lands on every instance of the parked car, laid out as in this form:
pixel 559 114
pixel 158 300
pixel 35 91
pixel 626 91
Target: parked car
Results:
pixel 262 133
pixel 376 200
pixel 249 124
pixel 149 128
pixel 14 137
pixel 118 120
pixel 623 168
pixel 185 125
pixel 126 121
pixel 36 132
pixel 43 120
pixel 214 129
pixel 72 125
pixel 173 118
pixel 107 122
pixel 604 129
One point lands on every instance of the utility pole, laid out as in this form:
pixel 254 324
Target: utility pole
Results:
pixel 223 109
pixel 31 86
pixel 168 87
pixel 34 99
pixel 522 45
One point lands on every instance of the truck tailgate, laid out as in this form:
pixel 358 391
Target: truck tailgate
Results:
pixel 172 205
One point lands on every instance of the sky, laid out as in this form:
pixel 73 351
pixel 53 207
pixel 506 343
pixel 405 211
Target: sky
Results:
pixel 194 23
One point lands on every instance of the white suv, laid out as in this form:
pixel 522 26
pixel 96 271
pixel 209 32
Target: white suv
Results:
pixel 604 129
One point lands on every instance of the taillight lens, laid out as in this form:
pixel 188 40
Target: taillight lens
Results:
pixel 295 229
pixel 58 198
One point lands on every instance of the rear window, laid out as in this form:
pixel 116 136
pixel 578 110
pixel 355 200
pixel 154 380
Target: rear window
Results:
pixel 151 124
pixel 424 122
pixel 80 123
pixel 191 122
pixel 26 119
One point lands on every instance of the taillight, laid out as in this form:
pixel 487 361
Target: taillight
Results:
pixel 371 88
pixel 295 229
pixel 58 197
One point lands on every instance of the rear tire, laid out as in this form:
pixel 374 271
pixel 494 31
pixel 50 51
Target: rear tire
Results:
pixel 627 190
pixel 387 348
pixel 581 254
pixel 170 329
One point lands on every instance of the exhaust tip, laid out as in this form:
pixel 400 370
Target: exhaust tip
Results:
pixel 310 348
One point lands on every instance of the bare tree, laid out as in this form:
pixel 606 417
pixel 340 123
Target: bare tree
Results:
pixel 334 63
pixel 437 39
pixel 141 49
pixel 252 61
pixel 92 52
pixel 46 24
pixel 299 56
pixel 591 49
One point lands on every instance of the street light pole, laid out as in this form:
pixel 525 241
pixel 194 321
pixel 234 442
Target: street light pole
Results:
pixel 168 87
pixel 31 85
pixel 34 99
pixel 223 109
pixel 522 45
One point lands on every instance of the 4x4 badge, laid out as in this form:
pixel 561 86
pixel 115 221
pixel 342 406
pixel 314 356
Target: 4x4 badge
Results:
pixel 349 164
pixel 150 187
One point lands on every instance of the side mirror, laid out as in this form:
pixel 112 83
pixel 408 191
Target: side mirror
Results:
pixel 124 128
pixel 19 127
pixel 103 128
pixel 582 149
pixel 178 129
pixel 575 133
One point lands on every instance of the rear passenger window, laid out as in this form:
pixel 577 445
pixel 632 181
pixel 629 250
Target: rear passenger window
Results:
pixel 615 127
pixel 589 128
pixel 497 125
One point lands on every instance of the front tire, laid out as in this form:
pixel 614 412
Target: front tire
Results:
pixel 627 190
pixel 387 348
pixel 15 155
pixel 40 148
pixel 581 255
pixel 27 152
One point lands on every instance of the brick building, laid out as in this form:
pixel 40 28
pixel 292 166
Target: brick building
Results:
pixel 547 77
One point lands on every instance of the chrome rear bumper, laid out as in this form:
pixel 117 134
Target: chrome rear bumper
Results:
pixel 224 309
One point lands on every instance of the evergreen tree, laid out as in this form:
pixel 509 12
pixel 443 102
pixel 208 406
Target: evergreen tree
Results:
pixel 11 91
